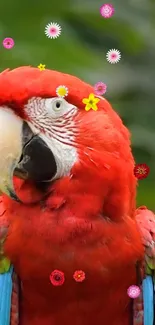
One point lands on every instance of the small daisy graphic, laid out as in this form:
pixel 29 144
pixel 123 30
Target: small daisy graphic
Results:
pixel 53 30
pixel 62 91
pixel 91 102
pixel 8 43
pixel 41 67
pixel 57 278
pixel 79 276
pixel 133 291
pixel 113 56
pixel 100 88
pixel 107 10
pixel 141 171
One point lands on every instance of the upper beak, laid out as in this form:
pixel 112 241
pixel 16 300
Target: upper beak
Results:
pixel 22 153
pixel 10 149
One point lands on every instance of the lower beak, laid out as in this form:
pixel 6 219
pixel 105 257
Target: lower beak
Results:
pixel 22 154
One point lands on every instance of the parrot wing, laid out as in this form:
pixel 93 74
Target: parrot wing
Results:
pixel 8 279
pixel 4 262
pixel 146 224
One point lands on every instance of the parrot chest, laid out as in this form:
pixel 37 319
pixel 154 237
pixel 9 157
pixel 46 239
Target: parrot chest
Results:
pixel 66 245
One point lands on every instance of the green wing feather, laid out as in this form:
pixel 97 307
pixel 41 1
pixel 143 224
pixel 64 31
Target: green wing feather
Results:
pixel 4 262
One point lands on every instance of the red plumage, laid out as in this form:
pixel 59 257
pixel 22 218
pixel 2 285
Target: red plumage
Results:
pixel 86 223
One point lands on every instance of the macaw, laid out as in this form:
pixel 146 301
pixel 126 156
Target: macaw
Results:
pixel 68 203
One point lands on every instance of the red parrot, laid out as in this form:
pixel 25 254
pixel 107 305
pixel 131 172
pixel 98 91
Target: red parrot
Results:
pixel 69 190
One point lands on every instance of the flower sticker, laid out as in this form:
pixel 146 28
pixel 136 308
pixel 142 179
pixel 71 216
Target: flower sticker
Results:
pixel 141 171
pixel 100 88
pixel 113 56
pixel 57 278
pixel 91 102
pixel 107 10
pixel 8 43
pixel 53 30
pixel 133 291
pixel 41 67
pixel 62 91
pixel 79 276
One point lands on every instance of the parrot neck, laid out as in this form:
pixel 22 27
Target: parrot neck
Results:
pixel 86 193
pixel 83 196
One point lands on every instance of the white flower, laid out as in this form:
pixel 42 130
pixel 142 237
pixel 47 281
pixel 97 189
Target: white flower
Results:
pixel 53 30
pixel 62 91
pixel 113 56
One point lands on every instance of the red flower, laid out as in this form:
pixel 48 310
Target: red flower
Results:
pixel 79 276
pixel 141 171
pixel 57 278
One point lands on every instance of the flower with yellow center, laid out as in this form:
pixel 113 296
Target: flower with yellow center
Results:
pixel 62 91
pixel 41 67
pixel 141 170
pixel 91 102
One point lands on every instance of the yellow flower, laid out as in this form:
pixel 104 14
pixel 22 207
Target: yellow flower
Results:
pixel 62 91
pixel 41 67
pixel 91 102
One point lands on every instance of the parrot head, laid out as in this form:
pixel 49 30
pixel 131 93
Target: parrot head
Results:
pixel 46 139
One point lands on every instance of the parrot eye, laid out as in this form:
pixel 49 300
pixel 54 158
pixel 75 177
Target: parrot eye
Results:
pixel 57 105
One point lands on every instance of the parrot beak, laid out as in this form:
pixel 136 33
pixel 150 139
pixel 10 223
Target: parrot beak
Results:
pixel 22 154
pixel 10 149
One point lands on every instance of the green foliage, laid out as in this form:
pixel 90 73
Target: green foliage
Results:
pixel 81 50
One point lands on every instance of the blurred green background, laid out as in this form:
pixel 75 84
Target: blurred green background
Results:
pixel 81 50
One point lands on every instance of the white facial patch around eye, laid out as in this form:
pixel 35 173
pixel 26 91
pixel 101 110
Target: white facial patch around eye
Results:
pixel 57 107
pixel 65 156
pixel 54 117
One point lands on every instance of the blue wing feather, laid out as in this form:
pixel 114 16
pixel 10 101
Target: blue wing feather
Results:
pixel 5 297
pixel 148 299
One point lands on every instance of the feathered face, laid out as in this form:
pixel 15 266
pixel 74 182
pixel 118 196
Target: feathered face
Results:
pixel 41 146
pixel 44 137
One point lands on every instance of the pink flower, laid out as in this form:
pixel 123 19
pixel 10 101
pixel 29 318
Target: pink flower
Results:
pixel 79 276
pixel 100 88
pixel 57 278
pixel 113 56
pixel 8 43
pixel 107 10
pixel 133 291
pixel 53 30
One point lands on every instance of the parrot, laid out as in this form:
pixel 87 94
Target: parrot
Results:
pixel 68 197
